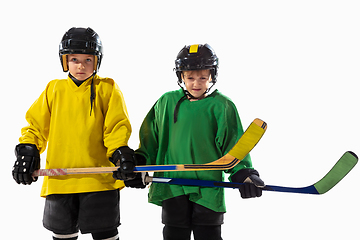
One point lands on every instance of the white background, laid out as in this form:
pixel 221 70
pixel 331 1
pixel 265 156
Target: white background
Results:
pixel 294 64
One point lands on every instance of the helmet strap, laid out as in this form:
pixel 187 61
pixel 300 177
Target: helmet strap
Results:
pixel 92 92
pixel 187 95
pixel 176 111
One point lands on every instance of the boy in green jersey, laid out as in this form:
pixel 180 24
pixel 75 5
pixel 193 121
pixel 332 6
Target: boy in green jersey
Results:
pixel 194 126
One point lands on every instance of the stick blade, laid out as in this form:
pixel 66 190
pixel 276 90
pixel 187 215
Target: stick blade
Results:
pixel 249 139
pixel 337 173
pixel 244 145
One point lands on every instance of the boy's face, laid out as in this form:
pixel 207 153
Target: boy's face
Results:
pixel 81 66
pixel 197 82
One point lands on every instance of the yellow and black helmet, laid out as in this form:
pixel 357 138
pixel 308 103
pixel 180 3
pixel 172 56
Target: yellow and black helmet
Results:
pixel 80 41
pixel 197 57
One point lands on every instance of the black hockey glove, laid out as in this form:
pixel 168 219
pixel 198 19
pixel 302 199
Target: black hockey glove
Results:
pixel 27 161
pixel 125 159
pixel 139 180
pixel 253 184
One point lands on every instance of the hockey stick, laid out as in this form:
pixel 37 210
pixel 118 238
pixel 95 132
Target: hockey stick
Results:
pixel 338 172
pixel 244 145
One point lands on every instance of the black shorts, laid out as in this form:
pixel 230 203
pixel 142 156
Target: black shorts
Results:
pixel 89 212
pixel 181 212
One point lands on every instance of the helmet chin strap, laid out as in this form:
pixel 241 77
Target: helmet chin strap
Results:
pixel 187 95
pixel 190 96
pixel 92 92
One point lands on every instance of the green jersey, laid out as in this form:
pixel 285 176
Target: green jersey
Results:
pixel 205 130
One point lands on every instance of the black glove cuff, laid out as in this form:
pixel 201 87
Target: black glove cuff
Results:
pixel 242 174
pixel 138 181
pixel 118 157
pixel 23 149
pixel 140 159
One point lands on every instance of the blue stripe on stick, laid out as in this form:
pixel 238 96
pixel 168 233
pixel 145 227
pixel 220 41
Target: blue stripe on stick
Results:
pixel 309 190
pixel 155 168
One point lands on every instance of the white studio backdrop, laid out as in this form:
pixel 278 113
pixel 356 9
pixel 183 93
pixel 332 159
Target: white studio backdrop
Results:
pixel 294 64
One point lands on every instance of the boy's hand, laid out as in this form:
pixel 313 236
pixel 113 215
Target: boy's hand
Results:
pixel 138 181
pixel 125 159
pixel 253 183
pixel 27 161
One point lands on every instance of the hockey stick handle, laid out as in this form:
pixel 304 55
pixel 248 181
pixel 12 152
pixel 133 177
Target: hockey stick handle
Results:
pixel 233 185
pixel 69 171
pixel 343 166
pixel 244 145
pixel 99 170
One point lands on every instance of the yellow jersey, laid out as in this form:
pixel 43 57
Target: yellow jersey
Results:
pixel 77 135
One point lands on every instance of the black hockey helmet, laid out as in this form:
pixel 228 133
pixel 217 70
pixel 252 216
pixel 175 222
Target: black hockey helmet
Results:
pixel 80 41
pixel 196 57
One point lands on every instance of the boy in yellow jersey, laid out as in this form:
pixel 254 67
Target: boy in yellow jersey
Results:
pixel 83 122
